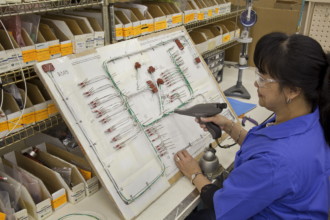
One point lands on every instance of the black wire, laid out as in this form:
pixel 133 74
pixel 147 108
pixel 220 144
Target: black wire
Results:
pixel 224 146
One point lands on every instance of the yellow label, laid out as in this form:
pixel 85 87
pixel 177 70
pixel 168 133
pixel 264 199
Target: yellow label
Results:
pixel 177 19
pixel 144 28
pixel 209 13
pixel 15 123
pixel 43 54
pixel 200 16
pixel 151 27
pixel 217 10
pixel 29 55
pixel 86 174
pixel 137 30
pixel 2 216
pixel 28 118
pixel 66 49
pixel 225 38
pixel 55 49
pixel 127 31
pixel 160 25
pixel 41 114
pixel 59 201
pixel 119 32
pixel 4 126
pixel 189 18
pixel 52 109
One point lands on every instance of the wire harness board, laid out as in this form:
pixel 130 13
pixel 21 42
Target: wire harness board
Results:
pixel 119 100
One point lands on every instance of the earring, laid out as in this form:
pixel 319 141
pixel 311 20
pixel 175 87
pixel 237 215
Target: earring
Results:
pixel 288 101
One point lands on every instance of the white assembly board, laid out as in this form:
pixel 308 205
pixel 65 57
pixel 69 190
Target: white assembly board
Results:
pixel 118 101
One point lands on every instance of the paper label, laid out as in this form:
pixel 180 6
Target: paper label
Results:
pixel 144 28
pixel 3 126
pixel 78 193
pixel 85 173
pixel 14 123
pixel 209 13
pixel 177 19
pixel 21 215
pixel 189 18
pixel 200 16
pixel 59 201
pixel 43 54
pixel 41 114
pixel 217 10
pixel 137 30
pixel 2 216
pixel 52 109
pixel 44 209
pixel 127 31
pixel 92 185
pixel 28 118
pixel 119 32
pixel 151 27
pixel 29 55
pixel 55 49
pixel 160 25
pixel 225 38
pixel 66 49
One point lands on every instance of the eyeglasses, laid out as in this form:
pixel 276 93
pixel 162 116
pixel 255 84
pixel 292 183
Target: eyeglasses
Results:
pixel 262 81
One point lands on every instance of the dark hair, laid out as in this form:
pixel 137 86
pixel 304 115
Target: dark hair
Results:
pixel 298 61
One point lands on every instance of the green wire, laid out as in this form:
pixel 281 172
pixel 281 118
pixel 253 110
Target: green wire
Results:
pixel 79 214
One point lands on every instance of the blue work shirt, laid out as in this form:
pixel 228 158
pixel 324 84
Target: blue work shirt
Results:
pixel 281 172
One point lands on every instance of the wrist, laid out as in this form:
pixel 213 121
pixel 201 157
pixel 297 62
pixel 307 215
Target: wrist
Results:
pixel 194 176
pixel 229 127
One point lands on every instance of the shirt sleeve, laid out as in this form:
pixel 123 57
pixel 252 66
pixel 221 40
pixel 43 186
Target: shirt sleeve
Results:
pixel 252 186
pixel 207 194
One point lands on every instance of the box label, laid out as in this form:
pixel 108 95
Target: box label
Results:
pixel 66 49
pixel 14 123
pixel 200 16
pixel 43 54
pixel 144 28
pixel 85 173
pixel 189 18
pixel 55 49
pixel 225 38
pixel 137 30
pixel 28 118
pixel 2 216
pixel 52 109
pixel 44 209
pixel 29 55
pixel 59 201
pixel 160 25
pixel 119 32
pixel 209 13
pixel 3 126
pixel 92 185
pixel 177 19
pixel 217 10
pixel 151 27
pixel 41 114
pixel 127 31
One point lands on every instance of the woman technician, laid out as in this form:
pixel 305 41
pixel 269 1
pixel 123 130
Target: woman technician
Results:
pixel 282 170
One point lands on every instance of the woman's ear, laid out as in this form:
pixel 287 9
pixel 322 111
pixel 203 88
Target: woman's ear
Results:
pixel 292 92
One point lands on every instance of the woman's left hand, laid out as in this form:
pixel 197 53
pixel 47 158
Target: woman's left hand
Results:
pixel 186 163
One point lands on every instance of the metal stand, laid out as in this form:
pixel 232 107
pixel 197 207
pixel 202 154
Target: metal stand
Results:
pixel 248 18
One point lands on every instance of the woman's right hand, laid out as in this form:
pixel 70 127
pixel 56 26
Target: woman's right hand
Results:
pixel 219 120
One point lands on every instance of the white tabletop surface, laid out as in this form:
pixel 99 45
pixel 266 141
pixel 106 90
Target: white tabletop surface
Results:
pixel 181 198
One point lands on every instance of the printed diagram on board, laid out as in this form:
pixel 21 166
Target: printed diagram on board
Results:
pixel 119 102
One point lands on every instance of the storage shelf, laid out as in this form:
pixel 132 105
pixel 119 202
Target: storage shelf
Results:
pixel 224 46
pixel 15 76
pixel 6 142
pixel 197 24
pixel 43 6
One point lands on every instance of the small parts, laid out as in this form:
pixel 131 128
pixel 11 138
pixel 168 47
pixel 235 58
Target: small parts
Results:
pixel 48 67
pixel 3 178
pixel 160 81
pixel 179 44
pixel 92 91
pixel 197 60
pixel 151 69
pixel 152 86
pixel 137 65
pixel 90 81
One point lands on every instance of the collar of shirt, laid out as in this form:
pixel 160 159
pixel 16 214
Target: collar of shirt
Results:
pixel 292 127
